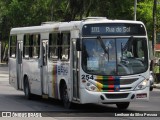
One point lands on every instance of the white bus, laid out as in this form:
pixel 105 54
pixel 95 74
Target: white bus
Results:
pixel 94 60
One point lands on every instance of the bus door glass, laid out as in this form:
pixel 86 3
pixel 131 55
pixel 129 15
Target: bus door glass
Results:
pixel 44 68
pixel 75 70
pixel 19 64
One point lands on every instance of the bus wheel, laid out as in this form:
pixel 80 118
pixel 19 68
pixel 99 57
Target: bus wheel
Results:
pixel 27 89
pixel 123 105
pixel 151 88
pixel 65 97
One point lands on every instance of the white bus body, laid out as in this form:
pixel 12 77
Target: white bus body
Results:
pixel 55 60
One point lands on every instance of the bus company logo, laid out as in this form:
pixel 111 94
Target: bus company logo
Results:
pixel 6 114
pixel 117 88
pixel 21 114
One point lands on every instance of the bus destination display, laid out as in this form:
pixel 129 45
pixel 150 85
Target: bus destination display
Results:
pixel 115 29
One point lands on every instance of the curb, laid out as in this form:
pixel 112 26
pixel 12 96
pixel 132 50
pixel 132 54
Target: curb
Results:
pixel 3 65
pixel 156 86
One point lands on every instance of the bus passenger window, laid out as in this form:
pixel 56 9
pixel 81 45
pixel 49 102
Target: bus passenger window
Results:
pixel 13 52
pixel 13 44
pixel 53 47
pixel 26 46
pixel 35 46
pixel 65 46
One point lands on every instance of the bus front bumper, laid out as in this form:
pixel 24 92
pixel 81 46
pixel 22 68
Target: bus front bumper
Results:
pixel 113 97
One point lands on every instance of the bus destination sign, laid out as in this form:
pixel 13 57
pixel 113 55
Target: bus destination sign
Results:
pixel 116 29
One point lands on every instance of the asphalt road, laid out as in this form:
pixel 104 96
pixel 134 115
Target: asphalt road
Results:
pixel 12 100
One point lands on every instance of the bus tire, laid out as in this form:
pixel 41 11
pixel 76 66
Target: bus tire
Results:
pixel 27 92
pixel 123 105
pixel 65 97
pixel 151 88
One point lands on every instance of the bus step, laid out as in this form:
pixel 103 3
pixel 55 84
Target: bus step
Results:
pixel 45 96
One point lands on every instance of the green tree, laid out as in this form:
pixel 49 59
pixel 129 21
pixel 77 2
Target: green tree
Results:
pixel 18 13
pixel 144 13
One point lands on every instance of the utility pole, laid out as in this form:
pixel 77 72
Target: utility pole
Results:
pixel 154 25
pixel 52 10
pixel 135 9
pixel 0 52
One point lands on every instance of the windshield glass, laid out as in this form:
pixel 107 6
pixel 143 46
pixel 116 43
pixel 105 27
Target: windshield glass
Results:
pixel 121 56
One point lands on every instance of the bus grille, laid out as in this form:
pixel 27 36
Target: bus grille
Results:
pixel 112 84
pixel 117 96
pixel 112 90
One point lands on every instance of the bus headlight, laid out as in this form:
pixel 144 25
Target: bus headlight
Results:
pixel 142 85
pixel 91 87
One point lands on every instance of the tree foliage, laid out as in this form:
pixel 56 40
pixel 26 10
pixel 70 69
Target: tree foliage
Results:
pixel 18 13
pixel 144 13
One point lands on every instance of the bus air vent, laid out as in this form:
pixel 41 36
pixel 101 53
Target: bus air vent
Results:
pixel 117 96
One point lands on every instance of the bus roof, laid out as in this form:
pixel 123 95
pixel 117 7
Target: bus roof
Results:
pixel 65 26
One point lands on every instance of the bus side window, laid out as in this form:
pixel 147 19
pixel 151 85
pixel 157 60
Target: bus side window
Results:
pixel 140 47
pixel 34 46
pixel 13 44
pixel 65 46
pixel 30 45
pixel 53 47
pixel 26 46
pixel 59 42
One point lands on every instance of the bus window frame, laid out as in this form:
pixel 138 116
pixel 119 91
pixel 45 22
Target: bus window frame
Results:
pixel 13 46
pixel 53 46
pixel 32 46
pixel 26 46
pixel 59 46
pixel 64 46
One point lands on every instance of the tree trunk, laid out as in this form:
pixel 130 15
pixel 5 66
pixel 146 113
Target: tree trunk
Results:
pixel 154 25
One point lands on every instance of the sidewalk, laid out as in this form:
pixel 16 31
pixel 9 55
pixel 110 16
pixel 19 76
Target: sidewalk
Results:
pixel 156 86
pixel 3 65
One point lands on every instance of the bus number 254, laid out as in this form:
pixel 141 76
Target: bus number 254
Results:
pixel 87 77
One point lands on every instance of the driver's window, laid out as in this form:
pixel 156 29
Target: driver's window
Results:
pixel 140 51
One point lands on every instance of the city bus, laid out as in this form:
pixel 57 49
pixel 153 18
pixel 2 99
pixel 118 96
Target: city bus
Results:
pixel 95 60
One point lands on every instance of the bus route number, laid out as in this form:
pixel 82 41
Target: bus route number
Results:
pixel 87 77
pixel 95 29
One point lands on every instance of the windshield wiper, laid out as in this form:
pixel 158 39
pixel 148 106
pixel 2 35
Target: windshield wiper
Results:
pixel 106 51
pixel 102 44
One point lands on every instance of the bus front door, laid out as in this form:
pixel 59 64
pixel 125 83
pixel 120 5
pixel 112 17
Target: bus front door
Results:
pixel 44 69
pixel 75 71
pixel 19 65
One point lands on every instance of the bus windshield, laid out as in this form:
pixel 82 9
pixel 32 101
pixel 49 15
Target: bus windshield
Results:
pixel 114 56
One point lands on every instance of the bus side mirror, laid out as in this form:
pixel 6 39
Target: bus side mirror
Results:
pixel 78 44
